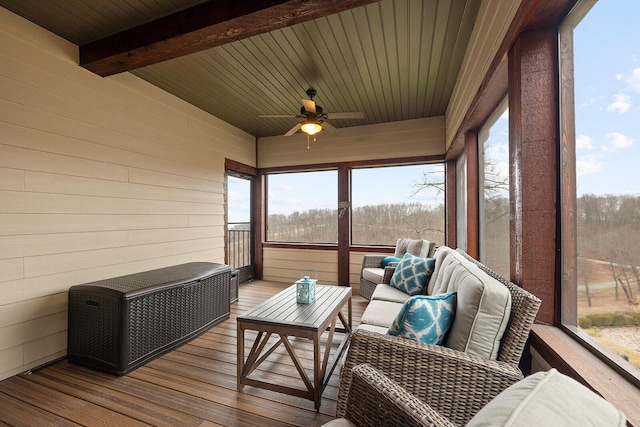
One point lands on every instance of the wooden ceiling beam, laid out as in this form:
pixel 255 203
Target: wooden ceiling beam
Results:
pixel 204 26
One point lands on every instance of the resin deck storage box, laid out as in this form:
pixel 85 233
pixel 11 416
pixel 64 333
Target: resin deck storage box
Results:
pixel 118 324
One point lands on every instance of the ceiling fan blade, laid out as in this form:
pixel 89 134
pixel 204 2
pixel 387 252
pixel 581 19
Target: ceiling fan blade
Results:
pixel 329 128
pixel 309 105
pixel 346 115
pixel 293 130
pixel 277 115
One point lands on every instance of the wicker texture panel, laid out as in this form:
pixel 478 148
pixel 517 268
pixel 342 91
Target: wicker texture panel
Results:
pixel 94 334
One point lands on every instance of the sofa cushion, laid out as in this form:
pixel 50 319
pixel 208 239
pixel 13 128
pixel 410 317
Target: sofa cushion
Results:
pixel 372 328
pixel 438 283
pixel 385 292
pixel 380 313
pixel 412 274
pixel 425 318
pixel 548 399
pixel 373 274
pixel 482 311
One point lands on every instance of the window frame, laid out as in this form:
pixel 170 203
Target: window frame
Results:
pixel 346 183
pixel 493 118
pixel 266 207
pixel 353 169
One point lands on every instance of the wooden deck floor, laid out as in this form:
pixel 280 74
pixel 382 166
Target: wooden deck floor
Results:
pixel 194 385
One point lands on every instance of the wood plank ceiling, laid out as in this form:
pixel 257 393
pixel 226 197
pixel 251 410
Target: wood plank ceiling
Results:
pixel 392 59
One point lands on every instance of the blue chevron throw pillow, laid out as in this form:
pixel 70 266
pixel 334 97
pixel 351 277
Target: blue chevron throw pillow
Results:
pixel 425 318
pixel 412 274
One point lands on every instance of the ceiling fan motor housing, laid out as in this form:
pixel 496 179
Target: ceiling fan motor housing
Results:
pixel 306 113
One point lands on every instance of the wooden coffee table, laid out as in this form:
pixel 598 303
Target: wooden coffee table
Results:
pixel 281 315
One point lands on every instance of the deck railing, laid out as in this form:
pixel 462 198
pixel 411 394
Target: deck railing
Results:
pixel 239 248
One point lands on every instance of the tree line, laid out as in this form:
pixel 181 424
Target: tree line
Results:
pixel 380 224
pixel 609 231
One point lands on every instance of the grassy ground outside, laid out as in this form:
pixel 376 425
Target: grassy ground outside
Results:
pixel 604 300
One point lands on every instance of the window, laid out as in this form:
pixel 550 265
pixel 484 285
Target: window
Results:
pixel 397 201
pixel 303 207
pixel 602 299
pixel 493 152
pixel 240 239
pixel 461 202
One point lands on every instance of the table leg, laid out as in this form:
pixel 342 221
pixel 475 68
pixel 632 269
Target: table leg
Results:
pixel 317 385
pixel 240 363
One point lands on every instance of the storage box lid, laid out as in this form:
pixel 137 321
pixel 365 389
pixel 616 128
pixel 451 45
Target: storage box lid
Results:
pixel 137 284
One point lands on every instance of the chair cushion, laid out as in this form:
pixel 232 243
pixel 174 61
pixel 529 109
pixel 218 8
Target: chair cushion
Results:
pixel 415 247
pixel 548 399
pixel 373 274
pixel 385 292
pixel 482 311
pixel 412 274
pixel 425 318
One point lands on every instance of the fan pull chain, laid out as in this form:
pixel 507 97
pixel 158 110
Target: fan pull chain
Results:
pixel 314 140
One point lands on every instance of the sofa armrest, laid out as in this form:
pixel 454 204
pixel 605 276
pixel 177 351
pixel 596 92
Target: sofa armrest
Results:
pixel 374 400
pixel 388 272
pixel 455 384
pixel 373 260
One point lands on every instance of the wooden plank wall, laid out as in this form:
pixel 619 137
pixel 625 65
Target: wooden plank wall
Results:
pixel 99 177
pixel 287 265
pixel 492 23
pixel 402 139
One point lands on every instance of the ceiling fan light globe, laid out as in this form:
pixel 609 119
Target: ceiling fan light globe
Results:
pixel 311 128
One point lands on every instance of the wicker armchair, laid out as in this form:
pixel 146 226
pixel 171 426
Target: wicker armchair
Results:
pixel 545 398
pixel 376 400
pixel 372 270
pixel 454 383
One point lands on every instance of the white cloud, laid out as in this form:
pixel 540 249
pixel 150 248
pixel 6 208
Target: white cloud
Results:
pixel 501 170
pixel 233 196
pixel 285 187
pixel 618 141
pixel 634 80
pixel 621 103
pixel 589 103
pixel 588 164
pixel 496 152
pixel 584 142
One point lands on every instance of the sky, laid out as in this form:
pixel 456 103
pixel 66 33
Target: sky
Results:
pixel 319 190
pixel 607 102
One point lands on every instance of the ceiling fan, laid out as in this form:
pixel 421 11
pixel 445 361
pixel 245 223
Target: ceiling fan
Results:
pixel 313 119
